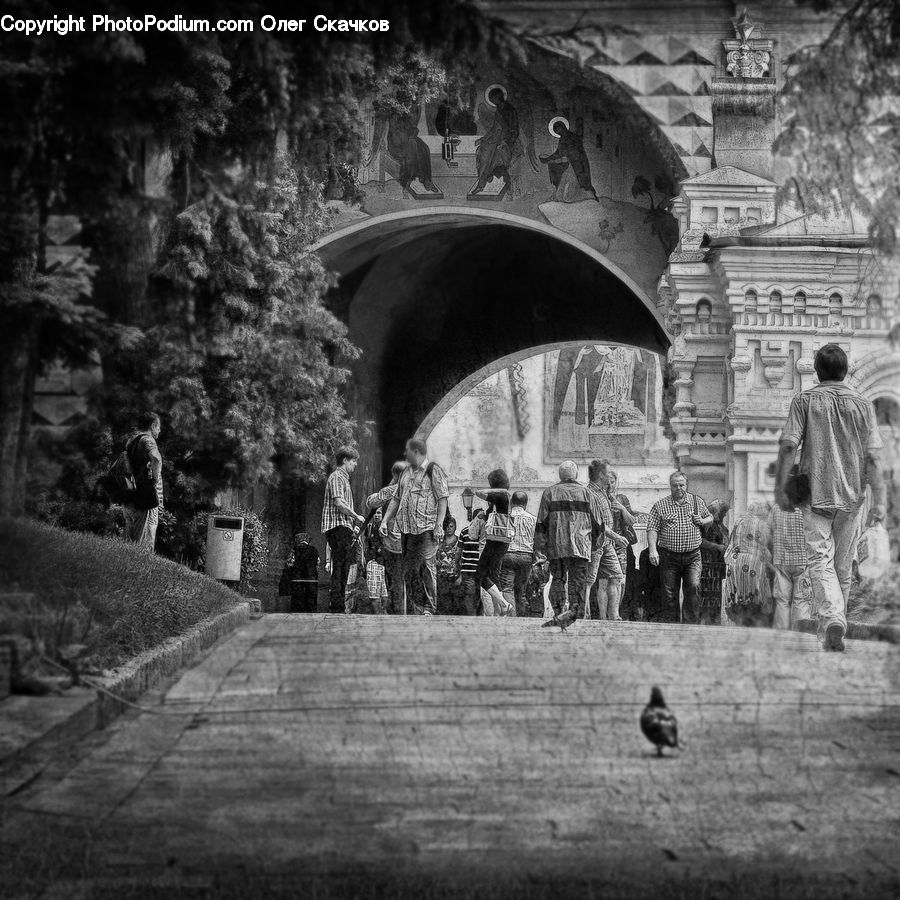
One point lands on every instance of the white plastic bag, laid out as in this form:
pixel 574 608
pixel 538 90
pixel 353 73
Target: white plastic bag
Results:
pixel 873 551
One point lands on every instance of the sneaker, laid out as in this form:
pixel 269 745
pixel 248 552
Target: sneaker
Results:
pixel 834 639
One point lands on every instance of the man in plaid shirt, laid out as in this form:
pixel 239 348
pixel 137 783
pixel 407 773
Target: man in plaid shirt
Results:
pixel 673 536
pixel 419 505
pixel 791 588
pixel 339 520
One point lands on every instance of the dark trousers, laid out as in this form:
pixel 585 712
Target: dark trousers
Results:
pixel 570 574
pixel 393 574
pixel 419 551
pixel 304 598
pixel 514 579
pixel 680 570
pixel 470 594
pixel 339 540
pixel 490 563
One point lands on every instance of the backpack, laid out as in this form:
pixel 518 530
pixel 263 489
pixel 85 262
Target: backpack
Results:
pixel 118 482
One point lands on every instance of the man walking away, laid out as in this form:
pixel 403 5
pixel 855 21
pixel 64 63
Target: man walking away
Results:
pixel 605 573
pixel 791 586
pixel 419 505
pixel 339 519
pixel 835 428
pixel 519 558
pixel 569 527
pixel 674 537
pixel 391 543
pixel 146 464
pixel 470 542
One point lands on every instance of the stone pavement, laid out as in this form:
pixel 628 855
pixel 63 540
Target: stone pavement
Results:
pixel 490 751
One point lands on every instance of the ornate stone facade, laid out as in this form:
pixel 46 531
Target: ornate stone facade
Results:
pixel 757 289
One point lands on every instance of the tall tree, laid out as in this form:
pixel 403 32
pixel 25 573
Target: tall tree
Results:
pixel 842 110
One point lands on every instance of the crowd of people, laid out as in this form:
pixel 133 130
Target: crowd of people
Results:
pixel 784 565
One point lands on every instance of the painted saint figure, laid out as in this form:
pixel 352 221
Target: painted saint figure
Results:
pixel 408 156
pixel 569 152
pixel 496 150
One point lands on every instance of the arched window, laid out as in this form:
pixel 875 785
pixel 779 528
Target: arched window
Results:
pixel 836 304
pixel 800 302
pixel 873 305
pixel 704 310
pixel 775 301
pixel 750 300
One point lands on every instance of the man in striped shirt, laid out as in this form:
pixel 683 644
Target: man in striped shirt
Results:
pixel 339 520
pixel 519 556
pixel 471 540
pixel 673 536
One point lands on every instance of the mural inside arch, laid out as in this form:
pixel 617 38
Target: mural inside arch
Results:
pixel 603 400
pixel 542 143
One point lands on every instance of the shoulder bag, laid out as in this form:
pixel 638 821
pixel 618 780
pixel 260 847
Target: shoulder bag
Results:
pixel 499 526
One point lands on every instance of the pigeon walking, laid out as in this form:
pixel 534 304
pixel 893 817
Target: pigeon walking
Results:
pixel 563 620
pixel 658 722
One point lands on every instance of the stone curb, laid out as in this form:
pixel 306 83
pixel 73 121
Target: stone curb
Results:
pixel 860 631
pixel 129 682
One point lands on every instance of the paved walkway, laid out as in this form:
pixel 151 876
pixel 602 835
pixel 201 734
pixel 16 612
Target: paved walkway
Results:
pixel 347 751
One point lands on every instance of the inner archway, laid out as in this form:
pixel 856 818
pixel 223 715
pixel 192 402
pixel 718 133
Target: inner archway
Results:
pixel 431 297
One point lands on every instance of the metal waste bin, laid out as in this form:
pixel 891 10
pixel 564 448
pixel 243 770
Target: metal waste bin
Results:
pixel 224 543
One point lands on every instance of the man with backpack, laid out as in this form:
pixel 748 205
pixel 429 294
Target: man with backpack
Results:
pixel 142 506
pixel 419 505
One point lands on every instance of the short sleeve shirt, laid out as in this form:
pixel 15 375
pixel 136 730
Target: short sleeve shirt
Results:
pixel 418 496
pixel 672 523
pixel 835 427
pixel 337 488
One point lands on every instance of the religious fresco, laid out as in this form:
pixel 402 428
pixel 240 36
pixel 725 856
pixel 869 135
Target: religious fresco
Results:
pixel 529 142
pixel 602 400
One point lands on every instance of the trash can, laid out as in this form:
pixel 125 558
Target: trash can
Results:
pixel 224 543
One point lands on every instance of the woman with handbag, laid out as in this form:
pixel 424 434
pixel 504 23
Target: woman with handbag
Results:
pixel 498 533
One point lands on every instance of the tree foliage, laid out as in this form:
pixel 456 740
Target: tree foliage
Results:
pixel 242 355
pixel 245 130
pixel 842 110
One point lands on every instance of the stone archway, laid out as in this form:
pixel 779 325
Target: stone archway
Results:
pixel 433 296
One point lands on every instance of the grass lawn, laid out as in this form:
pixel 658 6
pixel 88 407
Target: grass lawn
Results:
pixel 101 592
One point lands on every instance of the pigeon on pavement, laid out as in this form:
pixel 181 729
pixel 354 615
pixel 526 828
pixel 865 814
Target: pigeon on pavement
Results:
pixel 563 620
pixel 658 722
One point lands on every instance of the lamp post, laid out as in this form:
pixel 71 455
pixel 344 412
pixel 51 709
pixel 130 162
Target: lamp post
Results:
pixel 468 498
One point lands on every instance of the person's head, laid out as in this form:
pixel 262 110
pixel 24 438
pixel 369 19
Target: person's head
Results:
pixel 415 451
pixel 150 422
pixel 831 363
pixel 346 459
pixel 397 470
pixel 597 472
pixel 568 471
pixel 519 498
pixel 719 509
pixel 498 479
pixel 449 527
pixel 612 480
pixel 559 128
pixel 758 509
pixel 496 96
pixel 301 538
pixel 678 485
